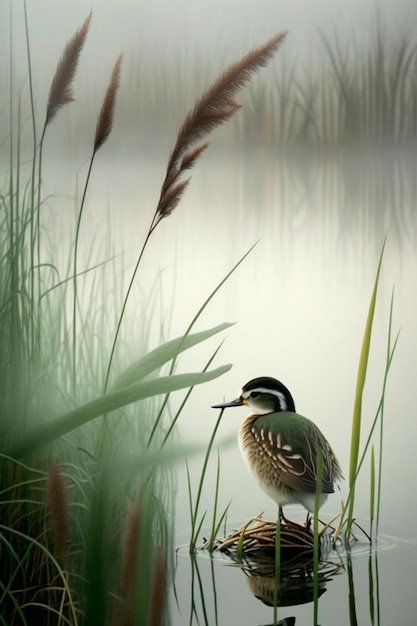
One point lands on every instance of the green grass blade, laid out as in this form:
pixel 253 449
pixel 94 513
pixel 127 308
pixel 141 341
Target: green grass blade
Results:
pixel 390 354
pixel 46 433
pixel 163 354
pixel 372 491
pixel 215 525
pixel 316 536
pixel 202 477
pixel 373 426
pixel 277 581
pixel 360 384
pixel 182 405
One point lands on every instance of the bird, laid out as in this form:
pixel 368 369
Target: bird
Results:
pixel 282 447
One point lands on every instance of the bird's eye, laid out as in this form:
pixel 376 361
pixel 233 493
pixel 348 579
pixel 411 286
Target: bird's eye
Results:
pixel 254 394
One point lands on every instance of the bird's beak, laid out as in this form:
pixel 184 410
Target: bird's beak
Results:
pixel 224 405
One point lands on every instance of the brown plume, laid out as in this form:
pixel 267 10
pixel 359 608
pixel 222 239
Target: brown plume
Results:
pixel 57 499
pixel 157 595
pixel 105 118
pixel 212 109
pixel 60 92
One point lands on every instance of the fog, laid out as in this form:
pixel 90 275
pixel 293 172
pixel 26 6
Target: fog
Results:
pixel 165 29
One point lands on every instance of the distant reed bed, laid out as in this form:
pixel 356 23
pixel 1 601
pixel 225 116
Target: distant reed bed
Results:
pixel 359 93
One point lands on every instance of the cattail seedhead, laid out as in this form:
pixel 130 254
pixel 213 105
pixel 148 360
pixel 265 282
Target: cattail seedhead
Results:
pixel 157 598
pixel 57 499
pixel 60 92
pixel 105 118
pixel 130 550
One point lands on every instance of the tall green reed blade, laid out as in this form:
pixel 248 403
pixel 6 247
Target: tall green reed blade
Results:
pixel 49 432
pixel 390 353
pixel 391 347
pixel 155 359
pixel 185 400
pixel 316 535
pixel 33 234
pixel 360 384
pixel 277 578
pixel 353 617
pixel 215 524
pixel 194 510
pixel 103 129
pixel 193 322
pixel 372 491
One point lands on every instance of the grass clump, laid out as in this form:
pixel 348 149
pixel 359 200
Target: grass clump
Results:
pixel 87 489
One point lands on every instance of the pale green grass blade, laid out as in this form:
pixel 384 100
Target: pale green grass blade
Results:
pixel 195 508
pixel 360 384
pixel 372 491
pixel 46 433
pixel 215 525
pixel 389 357
pixel 277 581
pixel 182 405
pixel 372 429
pixel 316 536
pixel 199 313
pixel 161 355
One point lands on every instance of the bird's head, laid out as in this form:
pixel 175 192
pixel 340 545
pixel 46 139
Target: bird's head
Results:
pixel 262 395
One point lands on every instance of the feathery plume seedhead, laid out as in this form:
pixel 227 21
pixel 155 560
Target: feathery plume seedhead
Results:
pixel 212 109
pixel 170 198
pixel 218 103
pixel 60 92
pixel 105 118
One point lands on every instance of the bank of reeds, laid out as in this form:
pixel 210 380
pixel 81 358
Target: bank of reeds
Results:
pixel 354 92
pixel 86 483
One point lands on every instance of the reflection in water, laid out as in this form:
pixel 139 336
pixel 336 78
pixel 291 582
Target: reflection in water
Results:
pixel 295 588
pixel 295 584
pixel 215 593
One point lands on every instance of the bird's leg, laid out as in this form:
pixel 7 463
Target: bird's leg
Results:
pixel 281 515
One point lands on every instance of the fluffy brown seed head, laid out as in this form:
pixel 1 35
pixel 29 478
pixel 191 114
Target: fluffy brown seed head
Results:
pixel 212 109
pixel 105 118
pixel 60 92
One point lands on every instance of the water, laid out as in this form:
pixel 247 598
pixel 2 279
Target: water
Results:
pixel 372 587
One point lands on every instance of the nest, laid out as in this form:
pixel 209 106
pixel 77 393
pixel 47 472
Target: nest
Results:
pixel 259 535
pixel 252 548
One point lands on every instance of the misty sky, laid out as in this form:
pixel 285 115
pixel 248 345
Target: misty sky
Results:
pixel 162 27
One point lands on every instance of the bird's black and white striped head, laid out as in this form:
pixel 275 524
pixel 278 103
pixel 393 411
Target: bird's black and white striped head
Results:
pixel 263 395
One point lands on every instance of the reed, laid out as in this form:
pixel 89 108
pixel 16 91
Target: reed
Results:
pixel 103 129
pixel 63 520
pixel 215 107
pixel 60 92
pixel 356 93
pixel 57 499
pixel 360 384
pixel 357 456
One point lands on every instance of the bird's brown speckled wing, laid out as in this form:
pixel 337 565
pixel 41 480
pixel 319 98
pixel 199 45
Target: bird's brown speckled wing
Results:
pixel 290 444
